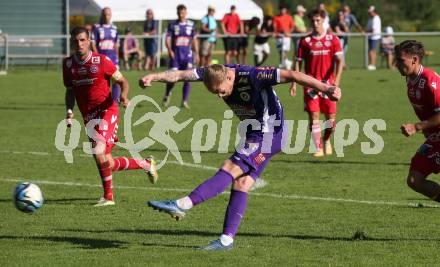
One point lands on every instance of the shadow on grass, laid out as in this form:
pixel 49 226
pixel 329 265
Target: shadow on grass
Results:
pixel 69 200
pixel 341 162
pixel 85 243
pixel 357 237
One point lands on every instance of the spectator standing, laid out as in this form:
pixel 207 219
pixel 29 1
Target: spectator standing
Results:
pixel 350 20
pixel 131 51
pixel 375 27
pixel 209 26
pixel 261 46
pixel 300 25
pixel 244 43
pixel 150 44
pixel 232 25
pixel 283 26
pixel 326 25
pixel 387 46
pixel 339 26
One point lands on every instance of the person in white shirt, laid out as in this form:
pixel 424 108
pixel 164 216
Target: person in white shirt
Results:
pixel 326 24
pixel 374 26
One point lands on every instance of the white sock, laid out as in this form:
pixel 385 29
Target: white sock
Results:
pixel 226 240
pixel 184 203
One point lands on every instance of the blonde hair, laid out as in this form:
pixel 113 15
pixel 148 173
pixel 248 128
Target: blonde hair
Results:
pixel 214 75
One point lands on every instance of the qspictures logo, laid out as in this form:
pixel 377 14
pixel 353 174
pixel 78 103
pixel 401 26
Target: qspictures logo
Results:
pixel 205 133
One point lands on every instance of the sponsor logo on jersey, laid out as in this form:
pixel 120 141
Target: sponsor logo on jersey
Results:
pixel 328 43
pixel 243 73
pixel 243 112
pixel 243 80
pixel 434 85
pixel 94 69
pixel 96 60
pixel 82 71
pixel 107 45
pixel 83 82
pixel 245 96
pixel 318 44
pixel 182 41
pixel 243 88
pixel 264 76
pixel 319 52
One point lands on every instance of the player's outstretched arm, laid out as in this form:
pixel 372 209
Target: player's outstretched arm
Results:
pixel 170 76
pixel 333 92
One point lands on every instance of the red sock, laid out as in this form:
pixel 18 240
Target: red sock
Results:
pixel 124 163
pixel 106 177
pixel 329 129
pixel 315 129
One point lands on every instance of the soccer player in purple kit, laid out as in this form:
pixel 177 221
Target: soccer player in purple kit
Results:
pixel 248 92
pixel 181 43
pixel 105 41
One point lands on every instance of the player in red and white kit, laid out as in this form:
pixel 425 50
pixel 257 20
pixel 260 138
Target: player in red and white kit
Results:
pixel 87 77
pixel 424 94
pixel 323 57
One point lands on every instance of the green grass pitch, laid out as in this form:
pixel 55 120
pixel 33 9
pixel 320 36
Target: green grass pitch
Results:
pixel 349 211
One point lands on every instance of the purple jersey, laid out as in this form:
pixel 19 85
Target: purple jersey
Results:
pixel 253 96
pixel 182 35
pixel 105 37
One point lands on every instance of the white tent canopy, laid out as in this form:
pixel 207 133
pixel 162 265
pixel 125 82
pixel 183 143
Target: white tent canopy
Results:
pixel 134 10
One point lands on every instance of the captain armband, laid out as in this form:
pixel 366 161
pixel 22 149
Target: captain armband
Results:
pixel 117 76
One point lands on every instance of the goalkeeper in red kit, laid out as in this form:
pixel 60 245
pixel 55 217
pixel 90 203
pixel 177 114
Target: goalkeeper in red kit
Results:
pixel 87 76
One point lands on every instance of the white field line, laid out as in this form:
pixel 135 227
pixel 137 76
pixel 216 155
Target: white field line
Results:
pixel 268 195
pixel 205 167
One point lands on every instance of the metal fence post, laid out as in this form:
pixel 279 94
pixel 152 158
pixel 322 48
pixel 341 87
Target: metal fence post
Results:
pixel 6 52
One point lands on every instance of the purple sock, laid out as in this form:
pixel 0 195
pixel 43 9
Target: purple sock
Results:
pixel 168 89
pixel 211 187
pixel 236 209
pixel 116 92
pixel 186 90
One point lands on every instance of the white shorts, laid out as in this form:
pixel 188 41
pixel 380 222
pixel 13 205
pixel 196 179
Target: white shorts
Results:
pixel 260 48
pixel 283 43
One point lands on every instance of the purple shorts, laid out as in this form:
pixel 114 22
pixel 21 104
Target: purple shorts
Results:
pixel 257 152
pixel 111 55
pixel 181 65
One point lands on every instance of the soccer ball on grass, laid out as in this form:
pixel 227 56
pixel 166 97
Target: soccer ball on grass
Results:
pixel 28 197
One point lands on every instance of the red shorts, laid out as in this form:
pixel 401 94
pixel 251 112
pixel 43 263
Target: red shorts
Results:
pixel 105 126
pixel 427 158
pixel 315 101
